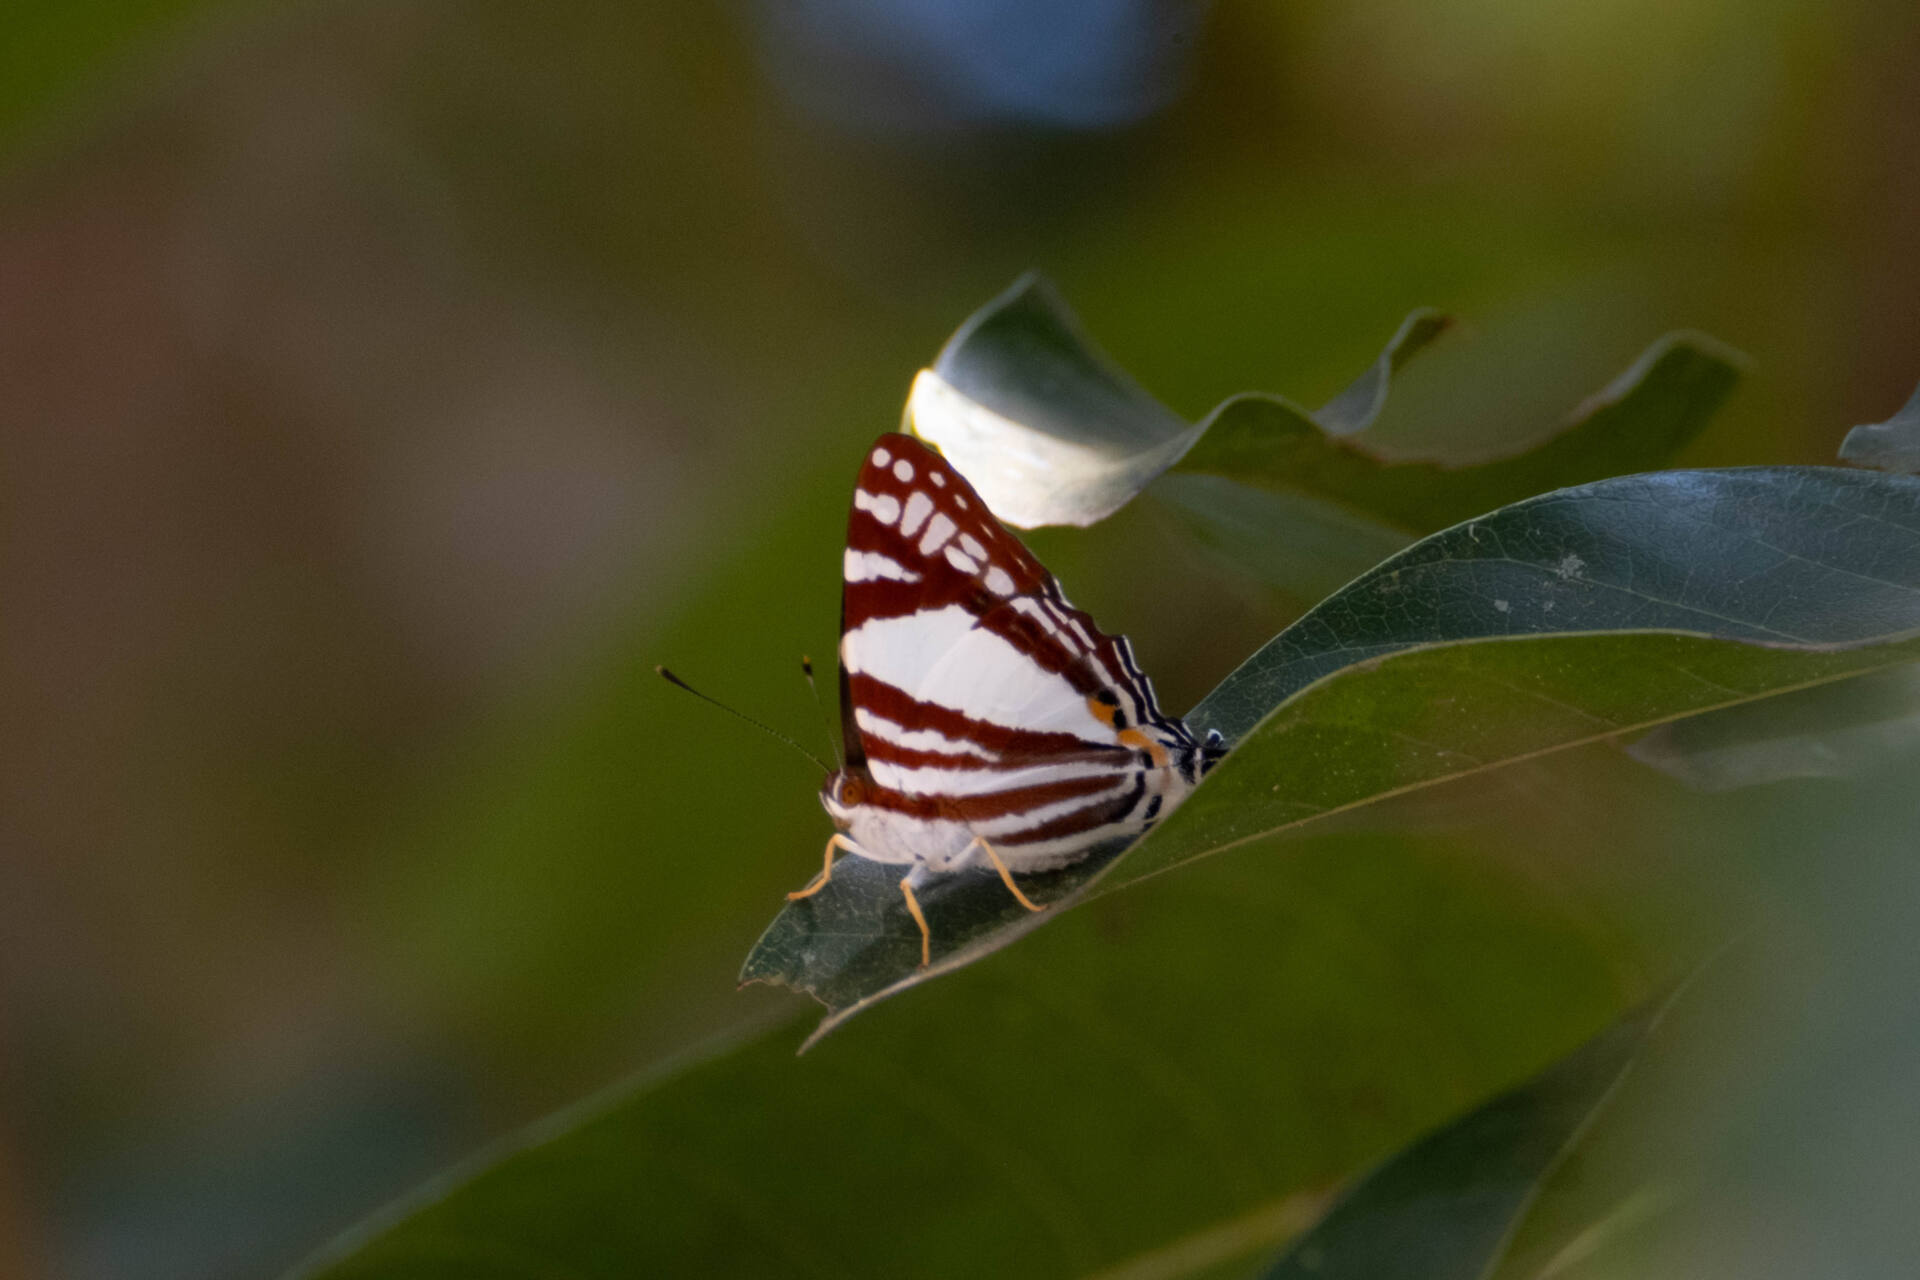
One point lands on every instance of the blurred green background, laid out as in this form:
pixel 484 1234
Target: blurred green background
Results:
pixel 385 388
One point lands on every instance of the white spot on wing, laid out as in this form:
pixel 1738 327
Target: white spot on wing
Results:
pixel 919 507
pixel 939 481
pixel 971 545
pixel 939 529
pixel 998 582
pixel 866 566
pixel 881 457
pixel 903 471
pixel 962 561
pixel 885 508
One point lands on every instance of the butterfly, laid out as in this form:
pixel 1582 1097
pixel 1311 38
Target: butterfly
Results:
pixel 987 722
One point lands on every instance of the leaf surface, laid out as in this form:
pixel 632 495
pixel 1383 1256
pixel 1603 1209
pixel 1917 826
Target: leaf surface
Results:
pixel 1893 445
pixel 1051 431
pixel 1446 1207
pixel 1371 990
pixel 1639 421
pixel 1567 618
pixel 1130 1088
pixel 1854 728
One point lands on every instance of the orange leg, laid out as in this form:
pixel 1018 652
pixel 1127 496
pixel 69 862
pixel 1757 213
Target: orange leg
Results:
pixel 913 909
pixel 839 840
pixel 1006 877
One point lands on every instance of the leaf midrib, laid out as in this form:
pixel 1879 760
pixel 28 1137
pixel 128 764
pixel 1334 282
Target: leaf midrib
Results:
pixel 1100 887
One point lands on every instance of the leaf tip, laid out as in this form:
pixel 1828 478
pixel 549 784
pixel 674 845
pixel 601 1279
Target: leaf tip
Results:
pixel 1893 445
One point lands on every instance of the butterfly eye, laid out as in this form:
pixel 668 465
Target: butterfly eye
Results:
pixel 851 792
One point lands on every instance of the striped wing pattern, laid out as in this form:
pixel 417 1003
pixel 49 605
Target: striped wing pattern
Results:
pixel 975 700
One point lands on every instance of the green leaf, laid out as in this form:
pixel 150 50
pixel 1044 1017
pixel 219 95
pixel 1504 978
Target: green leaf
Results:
pixel 1799 558
pixel 1358 407
pixel 1051 431
pixel 1184 1081
pixel 1041 421
pixel 1304 545
pixel 1893 445
pixel 1570 617
pixel 1447 1207
pixel 1306 513
pixel 1640 421
pixel 1854 728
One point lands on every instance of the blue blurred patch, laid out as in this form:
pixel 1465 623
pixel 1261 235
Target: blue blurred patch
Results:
pixel 947 65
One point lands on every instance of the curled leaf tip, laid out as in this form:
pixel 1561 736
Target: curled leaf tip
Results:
pixel 1051 431
pixel 1893 445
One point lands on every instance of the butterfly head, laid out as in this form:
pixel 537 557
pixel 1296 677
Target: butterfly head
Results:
pixel 843 792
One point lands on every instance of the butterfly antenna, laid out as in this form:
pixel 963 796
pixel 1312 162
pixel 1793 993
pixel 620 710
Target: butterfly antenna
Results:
pixel 677 682
pixel 826 722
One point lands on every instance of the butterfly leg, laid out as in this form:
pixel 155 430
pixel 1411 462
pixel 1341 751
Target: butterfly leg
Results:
pixel 1006 877
pixel 839 840
pixel 913 909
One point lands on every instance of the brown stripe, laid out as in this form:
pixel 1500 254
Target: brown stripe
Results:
pixel 993 804
pixel 1032 745
pixel 940 582
pixel 1081 820
pixel 1002 804
pixel 1029 637
pixel 1087 671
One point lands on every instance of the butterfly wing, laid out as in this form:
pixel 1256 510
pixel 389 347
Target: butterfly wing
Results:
pixel 973 689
